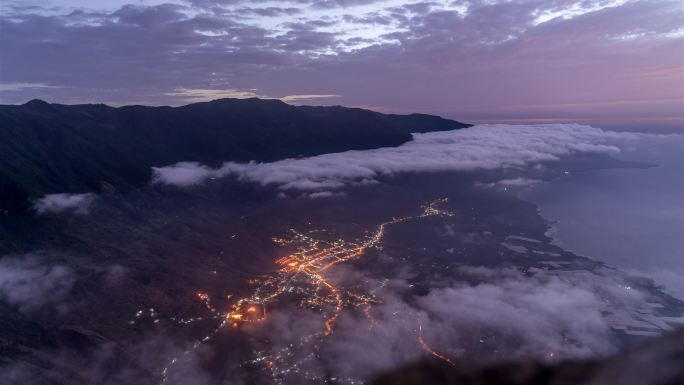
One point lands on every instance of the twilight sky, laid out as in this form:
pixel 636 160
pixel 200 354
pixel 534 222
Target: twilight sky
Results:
pixel 615 64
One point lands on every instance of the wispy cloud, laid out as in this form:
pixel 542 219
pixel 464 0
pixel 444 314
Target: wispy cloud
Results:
pixel 510 183
pixel 30 283
pixel 64 202
pixel 12 87
pixel 297 98
pixel 194 95
pixel 571 10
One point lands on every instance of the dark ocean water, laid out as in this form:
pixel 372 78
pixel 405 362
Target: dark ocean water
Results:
pixel 630 218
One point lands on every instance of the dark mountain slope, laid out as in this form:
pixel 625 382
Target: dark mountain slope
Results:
pixel 423 123
pixel 50 148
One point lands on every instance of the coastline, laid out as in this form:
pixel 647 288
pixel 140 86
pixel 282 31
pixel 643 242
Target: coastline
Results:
pixel 626 218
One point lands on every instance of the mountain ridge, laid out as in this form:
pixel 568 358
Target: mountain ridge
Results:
pixel 54 148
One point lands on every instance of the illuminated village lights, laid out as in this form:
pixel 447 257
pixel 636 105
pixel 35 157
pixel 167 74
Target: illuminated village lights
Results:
pixel 248 312
pixel 303 273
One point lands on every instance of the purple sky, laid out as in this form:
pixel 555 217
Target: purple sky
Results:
pixel 609 63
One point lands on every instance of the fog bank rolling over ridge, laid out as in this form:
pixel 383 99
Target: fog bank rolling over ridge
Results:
pixel 481 147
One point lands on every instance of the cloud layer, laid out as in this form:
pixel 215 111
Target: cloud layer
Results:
pixel 508 315
pixel 613 62
pixel 474 148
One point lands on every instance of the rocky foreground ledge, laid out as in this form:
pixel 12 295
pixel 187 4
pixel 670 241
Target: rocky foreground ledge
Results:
pixel 659 362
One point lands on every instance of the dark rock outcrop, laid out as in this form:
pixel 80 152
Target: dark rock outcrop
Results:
pixel 660 362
